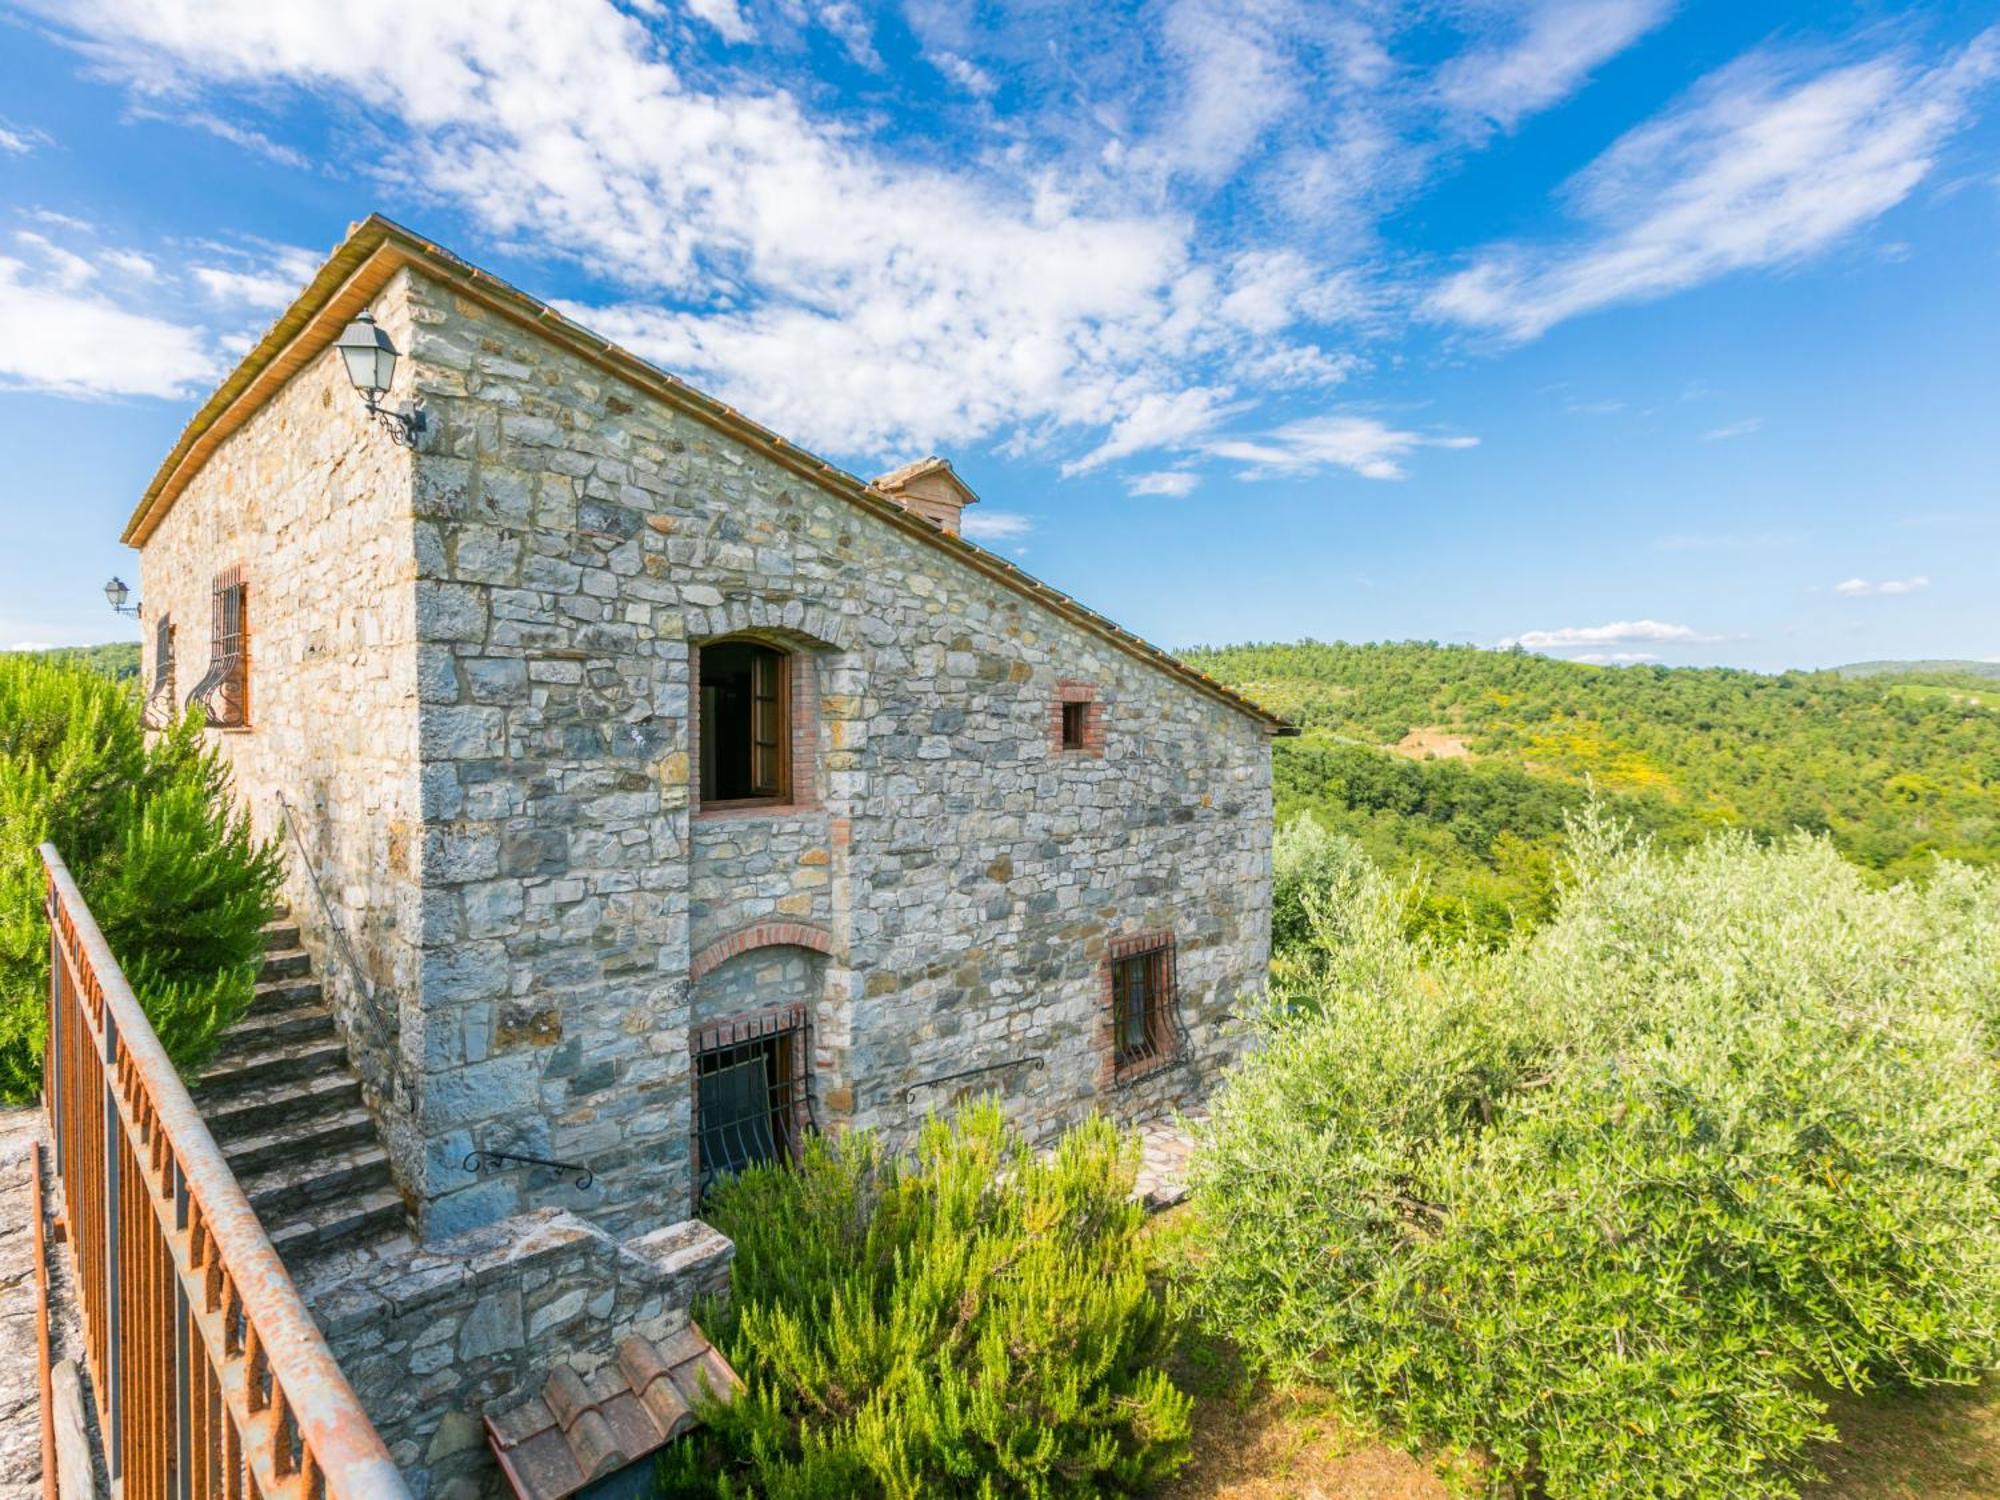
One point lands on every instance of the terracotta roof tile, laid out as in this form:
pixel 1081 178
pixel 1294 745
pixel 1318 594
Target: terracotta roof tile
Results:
pixel 577 1430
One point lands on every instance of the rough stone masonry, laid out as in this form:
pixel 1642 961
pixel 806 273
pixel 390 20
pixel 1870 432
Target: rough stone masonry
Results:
pixel 473 673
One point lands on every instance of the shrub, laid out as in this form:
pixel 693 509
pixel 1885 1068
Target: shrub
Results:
pixel 975 1320
pixel 1612 1203
pixel 170 870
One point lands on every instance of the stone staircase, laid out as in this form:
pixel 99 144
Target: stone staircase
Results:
pixel 285 1107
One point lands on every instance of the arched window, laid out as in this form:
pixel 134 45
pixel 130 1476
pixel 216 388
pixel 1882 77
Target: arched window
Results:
pixel 744 711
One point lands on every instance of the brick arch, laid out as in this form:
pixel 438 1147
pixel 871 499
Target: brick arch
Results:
pixel 767 934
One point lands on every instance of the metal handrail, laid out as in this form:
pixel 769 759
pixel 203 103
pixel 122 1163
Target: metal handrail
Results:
pixel 207 1367
pixel 339 932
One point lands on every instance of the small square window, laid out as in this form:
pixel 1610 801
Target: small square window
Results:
pixel 1075 718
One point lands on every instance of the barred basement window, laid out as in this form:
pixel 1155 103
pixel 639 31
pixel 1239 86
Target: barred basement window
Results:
pixel 1145 1029
pixel 745 745
pixel 158 712
pixel 752 1103
pixel 224 691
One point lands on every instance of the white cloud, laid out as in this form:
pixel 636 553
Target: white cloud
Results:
pixel 984 525
pixel 1368 447
pixel 19 140
pixel 725 16
pixel 1175 482
pixel 1616 658
pixel 1557 45
pixel 263 280
pixel 131 263
pixel 1763 164
pixel 1730 430
pixel 805 267
pixel 1618 632
pixel 73 343
pixel 32 646
pixel 1862 588
pixel 962 71
pixel 65 268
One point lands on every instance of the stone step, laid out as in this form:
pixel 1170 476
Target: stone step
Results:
pixel 285 963
pixel 283 1192
pixel 331 1128
pixel 328 1226
pixel 262 1028
pixel 256 1111
pixel 278 1062
pixel 282 994
pixel 282 933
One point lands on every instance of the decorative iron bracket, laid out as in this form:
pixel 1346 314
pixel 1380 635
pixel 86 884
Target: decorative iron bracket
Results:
pixel 1033 1063
pixel 477 1161
pixel 404 424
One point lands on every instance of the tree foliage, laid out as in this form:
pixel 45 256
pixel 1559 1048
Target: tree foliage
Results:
pixel 1611 1204
pixel 975 1320
pixel 171 871
pixel 1897 768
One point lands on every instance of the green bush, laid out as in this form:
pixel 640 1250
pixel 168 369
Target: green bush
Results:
pixel 1612 1204
pixel 171 871
pixel 972 1321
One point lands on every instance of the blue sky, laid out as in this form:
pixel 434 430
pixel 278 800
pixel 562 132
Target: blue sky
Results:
pixel 1622 329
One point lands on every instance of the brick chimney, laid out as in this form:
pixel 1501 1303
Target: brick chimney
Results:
pixel 929 488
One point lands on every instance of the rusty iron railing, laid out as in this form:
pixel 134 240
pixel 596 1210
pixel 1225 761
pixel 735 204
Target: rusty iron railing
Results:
pixel 211 1380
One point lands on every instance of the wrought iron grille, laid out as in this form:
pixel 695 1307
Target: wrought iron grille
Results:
pixel 752 1093
pixel 224 690
pixel 1145 1013
pixel 159 708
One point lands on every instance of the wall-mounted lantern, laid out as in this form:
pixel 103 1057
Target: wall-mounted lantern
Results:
pixel 116 593
pixel 370 356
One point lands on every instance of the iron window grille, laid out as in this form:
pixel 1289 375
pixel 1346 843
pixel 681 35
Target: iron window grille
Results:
pixel 224 690
pixel 1146 1030
pixel 752 1093
pixel 158 712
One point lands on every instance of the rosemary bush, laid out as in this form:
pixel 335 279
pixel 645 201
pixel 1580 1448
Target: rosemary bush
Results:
pixel 975 1320
pixel 1612 1204
pixel 171 871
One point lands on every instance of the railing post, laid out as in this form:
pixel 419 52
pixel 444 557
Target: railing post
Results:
pixel 114 1383
pixel 52 1055
pixel 183 1365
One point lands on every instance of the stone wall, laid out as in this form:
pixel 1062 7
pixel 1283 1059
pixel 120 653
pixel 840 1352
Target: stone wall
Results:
pixel 576 540
pixel 435 1339
pixel 314 501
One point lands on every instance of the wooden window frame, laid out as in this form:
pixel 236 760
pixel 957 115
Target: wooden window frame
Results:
pixel 794 743
pixel 788 1029
pixel 1162 1044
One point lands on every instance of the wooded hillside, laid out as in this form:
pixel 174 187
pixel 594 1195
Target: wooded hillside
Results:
pixel 1465 760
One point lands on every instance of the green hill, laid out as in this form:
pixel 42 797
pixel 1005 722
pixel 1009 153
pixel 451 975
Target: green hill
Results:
pixel 118 660
pixel 1920 669
pixel 1465 761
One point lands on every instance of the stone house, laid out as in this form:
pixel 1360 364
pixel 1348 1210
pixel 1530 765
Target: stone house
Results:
pixel 657 791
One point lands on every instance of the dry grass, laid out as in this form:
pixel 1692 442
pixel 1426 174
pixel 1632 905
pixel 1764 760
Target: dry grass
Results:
pixel 1432 743
pixel 1255 1443
pixel 1926 1445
